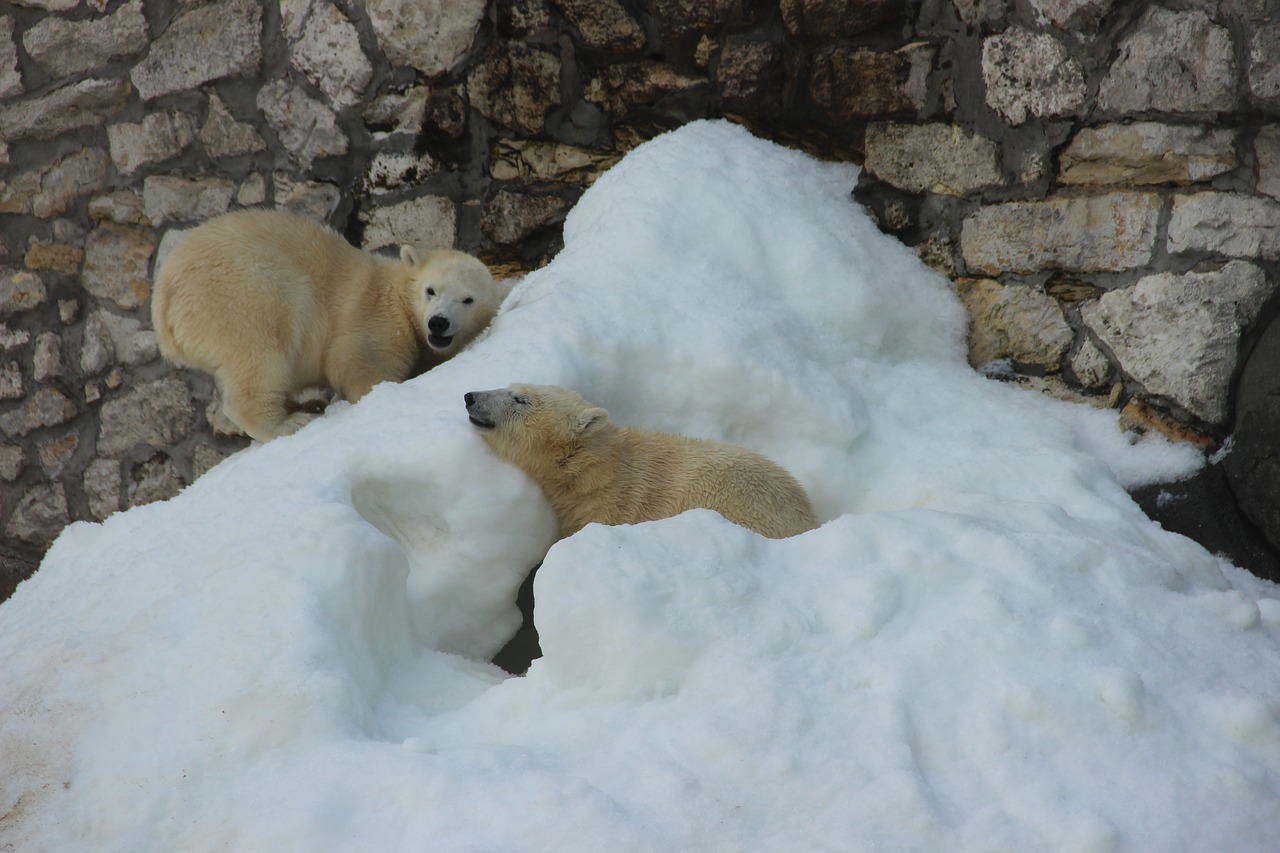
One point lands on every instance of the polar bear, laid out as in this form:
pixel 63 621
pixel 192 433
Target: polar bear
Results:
pixel 591 469
pixel 273 304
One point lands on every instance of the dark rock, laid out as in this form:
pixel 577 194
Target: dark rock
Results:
pixel 1253 465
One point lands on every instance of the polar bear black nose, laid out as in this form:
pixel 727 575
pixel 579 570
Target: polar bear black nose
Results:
pixel 469 399
pixel 438 325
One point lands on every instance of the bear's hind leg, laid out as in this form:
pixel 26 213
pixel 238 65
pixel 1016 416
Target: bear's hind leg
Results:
pixel 260 403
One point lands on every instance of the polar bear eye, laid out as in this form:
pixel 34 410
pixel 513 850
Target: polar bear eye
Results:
pixel 431 291
pixel 468 300
pixel 520 401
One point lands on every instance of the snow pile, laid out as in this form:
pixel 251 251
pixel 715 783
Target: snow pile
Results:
pixel 986 647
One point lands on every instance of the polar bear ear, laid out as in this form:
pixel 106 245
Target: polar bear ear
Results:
pixel 589 419
pixel 409 256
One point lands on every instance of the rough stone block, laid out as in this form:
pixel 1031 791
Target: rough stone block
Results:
pixel 306 127
pixel 604 24
pixel 430 222
pixel 1030 74
pixel 401 24
pixel 1179 335
pixel 620 89
pixel 678 18
pixel 75 175
pixel 938 158
pixel 1172 62
pixel 1266 148
pixel 393 170
pixel 53 257
pixel 223 136
pixel 327 50
pixel 313 199
pixel 116 261
pixel 168 197
pixel 1072 15
pixel 1236 226
pixel 836 18
pixel 1147 153
pixel 515 86
pixel 13 459
pixel 155 479
pixel 102 487
pixel 81 104
pixel 397 112
pixel 10 77
pixel 11 386
pixel 64 47
pixel 510 217
pixel 1015 322
pixel 157 137
pixel 751 76
pixel 206 43
pixel 46 361
pixel 158 414
pixel 519 159
pixel 55 453
pixel 20 291
pixel 46 407
pixel 853 83
pixel 1264 62
pixel 40 515
pixel 1105 233
pixel 1091 367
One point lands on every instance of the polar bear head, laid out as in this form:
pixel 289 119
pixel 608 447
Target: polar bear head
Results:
pixel 453 297
pixel 536 427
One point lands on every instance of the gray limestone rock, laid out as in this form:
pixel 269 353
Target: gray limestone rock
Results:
pixel 46 407
pixel 224 136
pixel 20 290
pixel 938 158
pixel 430 222
pixel 11 385
pixel 205 43
pixel 1105 233
pixel 1266 148
pixel 10 77
pixel 156 138
pixel 1147 152
pixel 1030 74
pixel 1071 15
pixel 1264 62
pixel 75 175
pixel 64 47
pixel 306 127
pixel 76 105
pixel 168 197
pixel 510 217
pixel 1016 322
pixel 1173 62
pixel 157 414
pixel 1229 224
pixel 116 264
pixel 102 487
pixel 40 515
pixel 327 50
pixel 430 35
pixel 1179 335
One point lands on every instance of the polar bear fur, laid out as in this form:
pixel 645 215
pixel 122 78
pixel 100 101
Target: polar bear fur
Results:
pixel 593 470
pixel 273 304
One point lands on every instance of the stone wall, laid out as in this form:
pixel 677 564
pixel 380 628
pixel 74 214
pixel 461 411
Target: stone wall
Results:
pixel 1100 178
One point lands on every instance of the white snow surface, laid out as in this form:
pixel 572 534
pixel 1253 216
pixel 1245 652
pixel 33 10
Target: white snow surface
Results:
pixel 986 646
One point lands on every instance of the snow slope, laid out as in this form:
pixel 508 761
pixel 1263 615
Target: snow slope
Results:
pixel 987 646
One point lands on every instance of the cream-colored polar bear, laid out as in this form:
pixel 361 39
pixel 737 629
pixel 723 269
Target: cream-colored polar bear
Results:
pixel 591 469
pixel 273 304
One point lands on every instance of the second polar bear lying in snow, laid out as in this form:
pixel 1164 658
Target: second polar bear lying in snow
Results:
pixel 273 304
pixel 593 470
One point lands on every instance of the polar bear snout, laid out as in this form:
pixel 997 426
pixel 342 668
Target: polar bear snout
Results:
pixel 439 331
pixel 481 409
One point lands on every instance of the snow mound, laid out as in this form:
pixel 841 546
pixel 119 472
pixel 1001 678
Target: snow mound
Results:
pixel 987 645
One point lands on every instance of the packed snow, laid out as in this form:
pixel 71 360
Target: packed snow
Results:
pixel 986 646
